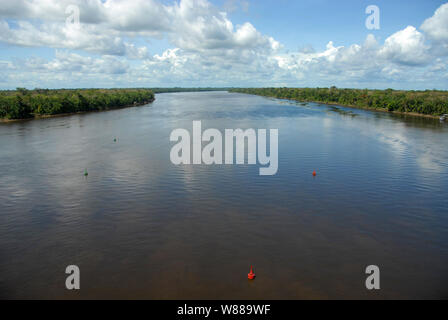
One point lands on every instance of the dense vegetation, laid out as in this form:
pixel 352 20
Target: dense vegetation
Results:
pixel 429 102
pixel 22 103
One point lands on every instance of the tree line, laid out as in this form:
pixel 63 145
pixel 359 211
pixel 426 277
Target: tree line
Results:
pixel 429 102
pixel 23 103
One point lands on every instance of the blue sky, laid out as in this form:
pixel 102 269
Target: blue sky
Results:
pixel 148 43
pixel 297 23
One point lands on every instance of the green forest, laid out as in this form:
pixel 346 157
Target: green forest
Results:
pixel 23 103
pixel 429 102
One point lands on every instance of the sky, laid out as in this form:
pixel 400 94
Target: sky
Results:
pixel 223 43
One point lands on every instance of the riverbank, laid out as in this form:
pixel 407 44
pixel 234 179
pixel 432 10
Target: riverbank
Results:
pixel 22 104
pixel 412 114
pixel 429 103
pixel 49 116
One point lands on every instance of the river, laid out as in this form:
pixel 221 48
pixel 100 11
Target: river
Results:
pixel 140 227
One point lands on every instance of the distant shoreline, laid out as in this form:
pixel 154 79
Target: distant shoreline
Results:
pixel 428 104
pixel 413 114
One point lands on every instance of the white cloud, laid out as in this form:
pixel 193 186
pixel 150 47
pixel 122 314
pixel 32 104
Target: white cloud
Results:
pixel 205 48
pixel 200 27
pixel 69 63
pixel 406 46
pixel 436 27
pixel 148 16
pixel 353 62
pixel 64 36
pixel 190 24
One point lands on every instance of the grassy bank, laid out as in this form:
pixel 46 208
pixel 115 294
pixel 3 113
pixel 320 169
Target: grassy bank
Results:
pixel 24 104
pixel 429 102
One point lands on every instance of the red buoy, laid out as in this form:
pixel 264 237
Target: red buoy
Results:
pixel 251 275
pixel 314 173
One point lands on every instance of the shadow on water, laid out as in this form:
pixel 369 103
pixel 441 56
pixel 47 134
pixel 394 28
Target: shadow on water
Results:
pixel 342 112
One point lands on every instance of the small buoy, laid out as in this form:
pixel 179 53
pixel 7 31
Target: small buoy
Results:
pixel 115 139
pixel 251 275
pixel 86 173
pixel 314 173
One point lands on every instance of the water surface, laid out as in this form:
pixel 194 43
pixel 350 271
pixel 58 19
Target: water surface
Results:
pixel 140 227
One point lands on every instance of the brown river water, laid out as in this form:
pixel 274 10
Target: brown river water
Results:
pixel 140 227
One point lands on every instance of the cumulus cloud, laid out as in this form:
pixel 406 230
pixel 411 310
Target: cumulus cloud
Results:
pixel 65 36
pixel 71 63
pixel 190 25
pixel 147 16
pixel 50 10
pixel 200 27
pixel 112 46
pixel 403 56
pixel 354 60
pixel 436 27
pixel 406 46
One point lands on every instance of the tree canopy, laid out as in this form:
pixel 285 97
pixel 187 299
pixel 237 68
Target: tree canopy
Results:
pixel 23 103
pixel 429 102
